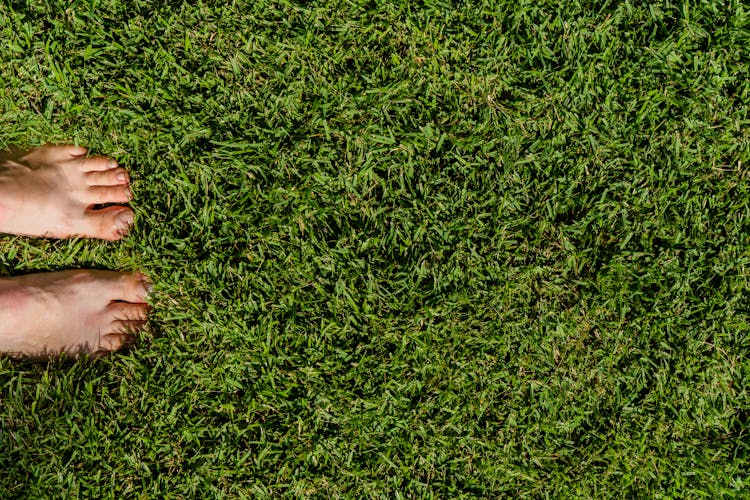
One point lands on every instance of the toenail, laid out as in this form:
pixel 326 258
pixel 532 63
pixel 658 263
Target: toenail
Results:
pixel 111 163
pixel 121 177
pixel 123 222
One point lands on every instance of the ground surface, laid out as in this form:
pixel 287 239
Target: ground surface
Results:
pixel 471 249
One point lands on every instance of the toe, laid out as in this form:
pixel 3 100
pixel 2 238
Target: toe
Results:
pixel 112 177
pixel 62 152
pixel 133 288
pixel 112 287
pixel 98 195
pixel 110 223
pixel 126 311
pixel 94 163
pixel 128 326
pixel 114 341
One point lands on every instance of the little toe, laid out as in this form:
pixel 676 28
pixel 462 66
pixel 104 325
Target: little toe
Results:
pixel 128 326
pixel 112 177
pixel 114 342
pixel 99 195
pixel 94 163
pixel 110 223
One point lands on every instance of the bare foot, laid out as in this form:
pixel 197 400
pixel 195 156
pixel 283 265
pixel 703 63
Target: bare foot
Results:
pixel 71 312
pixel 52 191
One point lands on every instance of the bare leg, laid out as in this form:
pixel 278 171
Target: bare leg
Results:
pixel 71 312
pixel 52 192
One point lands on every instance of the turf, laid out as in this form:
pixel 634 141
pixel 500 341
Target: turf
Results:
pixel 400 249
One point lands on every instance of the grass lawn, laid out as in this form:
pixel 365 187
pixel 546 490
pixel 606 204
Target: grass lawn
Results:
pixel 429 249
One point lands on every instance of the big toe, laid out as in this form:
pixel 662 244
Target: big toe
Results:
pixel 110 223
pixel 61 152
pixel 133 288
pixel 127 312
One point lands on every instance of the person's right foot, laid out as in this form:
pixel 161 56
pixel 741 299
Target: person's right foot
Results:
pixel 52 192
pixel 70 312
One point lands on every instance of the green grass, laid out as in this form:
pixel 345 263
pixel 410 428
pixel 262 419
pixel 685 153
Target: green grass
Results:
pixel 435 249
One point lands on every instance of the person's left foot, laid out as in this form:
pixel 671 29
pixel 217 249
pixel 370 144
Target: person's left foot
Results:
pixel 53 192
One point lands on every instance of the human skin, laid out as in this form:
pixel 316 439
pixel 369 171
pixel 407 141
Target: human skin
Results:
pixel 75 313
pixel 59 192
pixel 54 191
